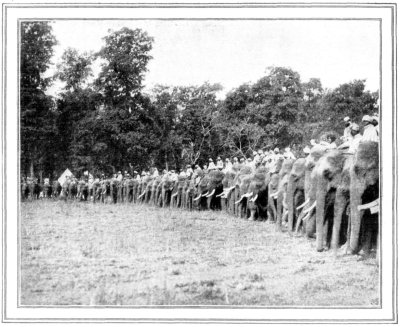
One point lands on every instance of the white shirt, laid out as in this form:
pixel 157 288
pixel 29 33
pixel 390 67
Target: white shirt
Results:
pixel 354 142
pixel 370 134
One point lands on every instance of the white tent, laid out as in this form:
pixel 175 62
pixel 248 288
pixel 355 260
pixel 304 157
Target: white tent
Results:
pixel 64 176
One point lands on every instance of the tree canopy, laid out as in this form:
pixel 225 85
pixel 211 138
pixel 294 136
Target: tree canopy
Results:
pixel 107 122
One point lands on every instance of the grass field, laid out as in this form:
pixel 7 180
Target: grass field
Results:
pixel 95 254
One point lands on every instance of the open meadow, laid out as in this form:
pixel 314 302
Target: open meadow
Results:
pixel 76 253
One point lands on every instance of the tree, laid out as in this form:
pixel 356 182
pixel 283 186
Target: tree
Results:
pixel 123 128
pixel 126 55
pixel 74 69
pixel 37 116
pixel 198 122
pixel 349 99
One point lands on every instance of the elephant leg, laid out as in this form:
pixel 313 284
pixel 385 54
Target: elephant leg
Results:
pixel 356 190
pixel 340 207
pixel 320 218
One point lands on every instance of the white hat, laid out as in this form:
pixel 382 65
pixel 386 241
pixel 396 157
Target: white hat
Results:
pixel 367 118
pixel 355 127
pixel 260 151
pixel 276 150
pixel 346 119
pixel 306 150
pixel 254 153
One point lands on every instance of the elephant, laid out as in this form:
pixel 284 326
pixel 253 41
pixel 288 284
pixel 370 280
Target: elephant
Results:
pixel 306 217
pixel 258 199
pixel 167 185
pixel 24 190
pixel 191 189
pixel 228 196
pixel 295 191
pixel 72 189
pixel 200 201
pixel 105 190
pixel 272 196
pixel 56 189
pixel 364 195
pixel 83 190
pixel 242 184
pixel 281 206
pixel 177 192
pixel 143 188
pixel 155 190
pixel 96 191
pixel 47 190
pixel 331 176
pixel 114 188
pixel 214 189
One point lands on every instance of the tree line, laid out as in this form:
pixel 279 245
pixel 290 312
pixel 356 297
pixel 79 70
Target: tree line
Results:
pixel 107 122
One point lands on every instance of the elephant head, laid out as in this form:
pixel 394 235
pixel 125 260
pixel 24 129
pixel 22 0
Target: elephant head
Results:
pixel 328 176
pixel 243 182
pixel 258 187
pixel 364 194
pixel 214 189
pixel 229 188
pixel 176 197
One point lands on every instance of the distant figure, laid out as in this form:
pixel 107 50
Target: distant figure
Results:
pixel 288 154
pixel 355 137
pixel 370 134
pixel 228 164
pixel 235 160
pixel 347 131
pixel 220 163
pixel 211 165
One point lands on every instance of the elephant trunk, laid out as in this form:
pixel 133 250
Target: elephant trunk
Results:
pixel 290 202
pixel 340 206
pixel 356 190
pixel 320 212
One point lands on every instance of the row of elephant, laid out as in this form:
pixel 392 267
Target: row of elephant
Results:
pixel 330 195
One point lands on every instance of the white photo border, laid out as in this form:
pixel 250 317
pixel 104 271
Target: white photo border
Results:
pixel 14 13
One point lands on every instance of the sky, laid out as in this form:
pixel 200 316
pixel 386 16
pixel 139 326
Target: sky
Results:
pixel 235 52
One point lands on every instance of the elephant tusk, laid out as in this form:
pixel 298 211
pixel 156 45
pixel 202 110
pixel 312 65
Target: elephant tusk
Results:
pixel 211 194
pixel 141 195
pixel 240 200
pixel 174 195
pixel 247 195
pixel 220 195
pixel 303 205
pixel 229 190
pixel 195 199
pixel 205 194
pixel 368 205
pixel 274 195
pixel 254 198
pixel 310 208
pixel 307 216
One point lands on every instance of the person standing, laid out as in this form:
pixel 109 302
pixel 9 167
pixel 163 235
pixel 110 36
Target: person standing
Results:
pixel 347 130
pixel 370 134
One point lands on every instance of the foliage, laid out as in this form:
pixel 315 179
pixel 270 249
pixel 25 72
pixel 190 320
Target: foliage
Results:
pixel 110 124
pixel 37 116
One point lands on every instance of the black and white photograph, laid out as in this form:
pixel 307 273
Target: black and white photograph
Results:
pixel 229 158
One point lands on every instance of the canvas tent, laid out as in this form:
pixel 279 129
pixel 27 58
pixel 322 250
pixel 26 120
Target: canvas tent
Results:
pixel 64 175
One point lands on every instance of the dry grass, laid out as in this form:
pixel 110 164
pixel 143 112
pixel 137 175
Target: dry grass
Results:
pixel 85 254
